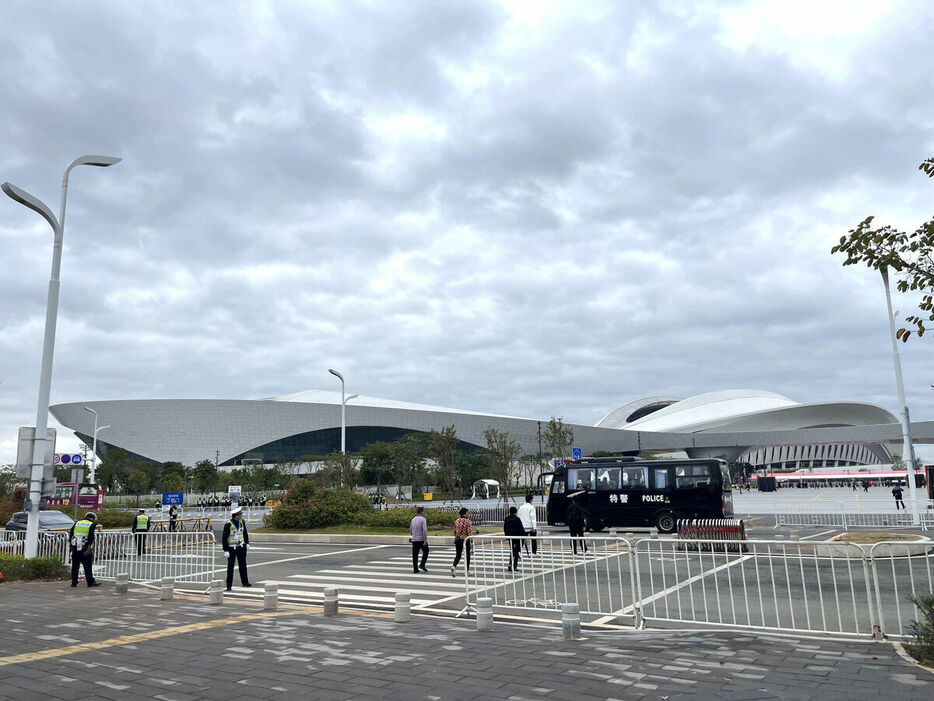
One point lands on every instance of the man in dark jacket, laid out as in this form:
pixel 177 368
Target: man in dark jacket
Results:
pixel 235 541
pixel 575 520
pixel 512 526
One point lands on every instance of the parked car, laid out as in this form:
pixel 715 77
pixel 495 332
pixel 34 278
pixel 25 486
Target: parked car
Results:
pixel 48 521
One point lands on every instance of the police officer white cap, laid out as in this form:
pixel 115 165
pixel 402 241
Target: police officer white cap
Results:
pixel 236 510
pixel 91 516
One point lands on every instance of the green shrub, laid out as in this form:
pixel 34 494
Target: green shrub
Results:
pixel 922 647
pixel 15 567
pixel 401 518
pixel 306 506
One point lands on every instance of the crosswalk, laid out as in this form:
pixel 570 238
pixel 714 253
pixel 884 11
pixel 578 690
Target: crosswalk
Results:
pixel 374 584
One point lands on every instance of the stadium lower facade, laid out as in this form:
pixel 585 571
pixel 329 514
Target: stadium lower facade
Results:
pixel 762 428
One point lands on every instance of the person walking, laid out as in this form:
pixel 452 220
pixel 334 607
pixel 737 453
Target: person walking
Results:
pixel 527 516
pixel 463 529
pixel 515 532
pixel 236 541
pixel 418 530
pixel 897 493
pixel 140 528
pixel 173 517
pixel 81 537
pixel 575 520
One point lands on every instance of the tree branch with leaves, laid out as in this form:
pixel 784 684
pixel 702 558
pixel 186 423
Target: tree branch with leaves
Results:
pixel 911 256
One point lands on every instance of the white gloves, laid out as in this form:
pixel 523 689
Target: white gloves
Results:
pixel 247 546
pixel 227 553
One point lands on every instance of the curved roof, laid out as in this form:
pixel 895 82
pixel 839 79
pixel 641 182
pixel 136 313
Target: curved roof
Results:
pixel 323 396
pixel 752 410
pixel 618 418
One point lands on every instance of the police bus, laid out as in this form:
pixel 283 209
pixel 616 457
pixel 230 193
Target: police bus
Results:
pixel 631 492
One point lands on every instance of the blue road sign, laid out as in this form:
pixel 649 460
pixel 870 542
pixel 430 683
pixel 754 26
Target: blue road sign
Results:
pixel 577 453
pixel 559 462
pixel 169 498
pixel 66 458
pixel 76 459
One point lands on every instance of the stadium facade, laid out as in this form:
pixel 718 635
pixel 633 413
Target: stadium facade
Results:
pixel 759 427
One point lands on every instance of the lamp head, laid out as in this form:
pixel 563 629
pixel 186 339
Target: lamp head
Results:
pixel 100 161
pixel 336 374
pixel 31 201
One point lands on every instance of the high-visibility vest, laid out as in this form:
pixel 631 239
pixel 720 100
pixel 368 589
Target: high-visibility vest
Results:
pixel 235 539
pixel 142 522
pixel 83 529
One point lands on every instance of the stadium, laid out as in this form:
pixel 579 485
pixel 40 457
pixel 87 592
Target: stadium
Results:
pixel 755 426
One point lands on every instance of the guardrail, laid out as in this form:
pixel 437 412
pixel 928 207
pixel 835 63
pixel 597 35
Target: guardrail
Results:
pixel 479 515
pixel 871 513
pixel 768 585
pixel 146 557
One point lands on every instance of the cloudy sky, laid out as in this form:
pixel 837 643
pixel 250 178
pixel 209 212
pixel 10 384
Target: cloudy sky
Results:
pixel 526 208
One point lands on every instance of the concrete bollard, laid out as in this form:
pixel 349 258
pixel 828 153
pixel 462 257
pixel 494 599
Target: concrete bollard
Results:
pixel 271 597
pixel 330 601
pixel 403 607
pixel 123 583
pixel 168 589
pixel 613 533
pixel 484 613
pixel 571 621
pixel 216 593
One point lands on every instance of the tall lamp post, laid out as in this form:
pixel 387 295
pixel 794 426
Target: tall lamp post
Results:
pixel 94 442
pixel 48 342
pixel 908 451
pixel 343 409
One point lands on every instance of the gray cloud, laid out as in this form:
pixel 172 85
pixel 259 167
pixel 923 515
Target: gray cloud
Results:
pixel 455 204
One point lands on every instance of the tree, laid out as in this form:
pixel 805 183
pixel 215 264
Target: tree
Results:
pixel 442 446
pixel 377 464
pixel 503 452
pixel 137 482
pixel 529 465
pixel 173 482
pixel 339 469
pixel 205 476
pixel 408 457
pixel 558 438
pixel 111 473
pixel 8 480
pixel 911 256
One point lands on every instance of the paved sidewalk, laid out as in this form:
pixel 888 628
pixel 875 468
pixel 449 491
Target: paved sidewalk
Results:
pixel 64 643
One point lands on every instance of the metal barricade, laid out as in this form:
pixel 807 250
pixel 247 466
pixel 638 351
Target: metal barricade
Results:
pixel 772 585
pixel 598 576
pixel 901 571
pixel 707 533
pixel 50 544
pixel 148 557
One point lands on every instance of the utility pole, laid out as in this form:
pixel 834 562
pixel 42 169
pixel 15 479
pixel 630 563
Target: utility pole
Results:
pixel 541 465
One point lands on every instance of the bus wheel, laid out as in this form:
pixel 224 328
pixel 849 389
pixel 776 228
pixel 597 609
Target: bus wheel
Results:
pixel 665 522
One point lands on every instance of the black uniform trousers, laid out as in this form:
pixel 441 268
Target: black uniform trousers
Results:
pixel 140 542
pixel 516 549
pixel 238 555
pixel 459 550
pixel 79 558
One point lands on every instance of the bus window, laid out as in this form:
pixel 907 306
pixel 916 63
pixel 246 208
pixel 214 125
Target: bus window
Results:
pixel 580 478
pixel 688 476
pixel 659 478
pixel 635 477
pixel 557 487
pixel 608 479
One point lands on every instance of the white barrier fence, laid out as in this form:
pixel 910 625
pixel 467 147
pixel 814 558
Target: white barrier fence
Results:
pixel 772 585
pixel 186 556
pixel 869 513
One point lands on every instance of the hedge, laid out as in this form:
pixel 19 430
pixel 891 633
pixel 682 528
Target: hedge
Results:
pixel 401 518
pixel 16 567
pixel 306 506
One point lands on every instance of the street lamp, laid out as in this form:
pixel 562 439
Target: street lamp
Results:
pixel 94 442
pixel 343 408
pixel 48 342
pixel 908 451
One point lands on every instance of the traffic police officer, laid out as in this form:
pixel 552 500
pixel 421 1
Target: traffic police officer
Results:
pixel 81 537
pixel 235 542
pixel 140 527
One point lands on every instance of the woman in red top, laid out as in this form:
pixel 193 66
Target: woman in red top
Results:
pixel 463 528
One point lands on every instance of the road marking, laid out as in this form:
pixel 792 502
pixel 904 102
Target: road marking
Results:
pixel 818 535
pixel 292 559
pixel 139 637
